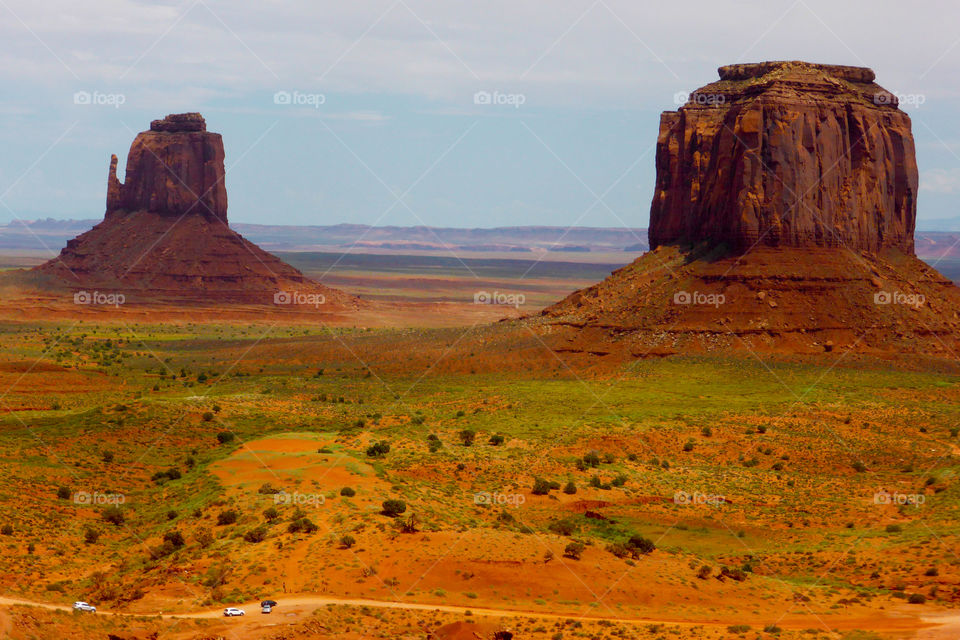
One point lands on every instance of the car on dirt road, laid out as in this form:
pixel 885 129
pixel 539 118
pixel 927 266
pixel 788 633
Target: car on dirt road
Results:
pixel 83 606
pixel 268 603
pixel 233 611
pixel 266 609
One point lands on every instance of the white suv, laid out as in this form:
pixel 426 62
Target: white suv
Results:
pixel 233 611
pixel 83 606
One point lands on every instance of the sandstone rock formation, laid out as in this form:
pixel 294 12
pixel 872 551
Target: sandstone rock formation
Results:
pixel 165 233
pixel 787 154
pixel 176 168
pixel 782 219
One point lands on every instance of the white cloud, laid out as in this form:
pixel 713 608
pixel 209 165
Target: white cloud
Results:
pixel 941 181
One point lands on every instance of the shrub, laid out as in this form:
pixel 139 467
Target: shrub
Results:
pixel 639 544
pixel 175 538
pixel 170 474
pixel 302 524
pixel 113 515
pixel 271 514
pixel 348 492
pixel 378 450
pixel 894 528
pixel 859 467
pixel 738 628
pixel 172 515
pixel 619 480
pixel 592 459
pixel 706 432
pixel 393 508
pixel 917 598
pixel 91 536
pixel 267 489
pixel 435 445
pixel 772 628
pixel 541 487
pixel 704 572
pixel 932 571
pixel 467 436
pixel 257 534
pixel 107 456
pixel 204 537
pixel 347 541
pixel 570 488
pixel 225 436
pixel 207 416
pixel 688 445
pixel 227 517
pixel 564 527
pixel 496 440
pixel 573 550
pixel 63 493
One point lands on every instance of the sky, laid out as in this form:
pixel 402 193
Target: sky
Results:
pixel 429 112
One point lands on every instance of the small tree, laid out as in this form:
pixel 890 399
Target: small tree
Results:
pixel 348 492
pixel 204 537
pixel 570 488
pixel 227 517
pixel 378 450
pixel 113 515
pixel 174 537
pixel 394 508
pixel 467 436
pixel 541 487
pixel 271 514
pixel 574 550
pixel 257 534
pixel 224 437
pixel 347 541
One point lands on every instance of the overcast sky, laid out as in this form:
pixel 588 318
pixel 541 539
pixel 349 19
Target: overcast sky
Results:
pixel 389 129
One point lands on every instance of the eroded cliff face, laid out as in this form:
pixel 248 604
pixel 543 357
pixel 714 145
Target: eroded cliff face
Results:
pixel 175 168
pixel 787 154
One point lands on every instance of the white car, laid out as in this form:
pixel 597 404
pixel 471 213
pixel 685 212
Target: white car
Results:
pixel 233 611
pixel 83 606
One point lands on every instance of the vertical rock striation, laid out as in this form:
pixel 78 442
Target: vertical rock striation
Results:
pixel 787 154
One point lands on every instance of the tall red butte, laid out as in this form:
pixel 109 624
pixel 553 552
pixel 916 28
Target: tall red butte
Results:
pixel 782 219
pixel 165 234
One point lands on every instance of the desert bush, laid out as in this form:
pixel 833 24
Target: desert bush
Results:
pixel 172 515
pixel 619 480
pixel 592 459
pixel 174 537
pixel 91 535
pixel 688 445
pixel 347 541
pixel 564 527
pixel 378 450
pixel 496 440
pixel 113 515
pixel 227 517
pixel 257 534
pixel 268 489
pixel 570 488
pixel 917 598
pixel 348 492
pixel 859 467
pixel 704 572
pixel 706 432
pixel 204 537
pixel 271 514
pixel 393 507
pixel 638 544
pixel 207 415
pixel 574 550
pixel 304 525
pixel 63 493
pixel 541 487
pixel 224 437
pixel 467 436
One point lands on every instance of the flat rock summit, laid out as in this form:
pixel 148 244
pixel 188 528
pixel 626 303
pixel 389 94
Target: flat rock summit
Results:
pixel 783 219
pixel 165 233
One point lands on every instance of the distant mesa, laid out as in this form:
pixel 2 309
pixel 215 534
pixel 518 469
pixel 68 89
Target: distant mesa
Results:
pixel 782 218
pixel 165 234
